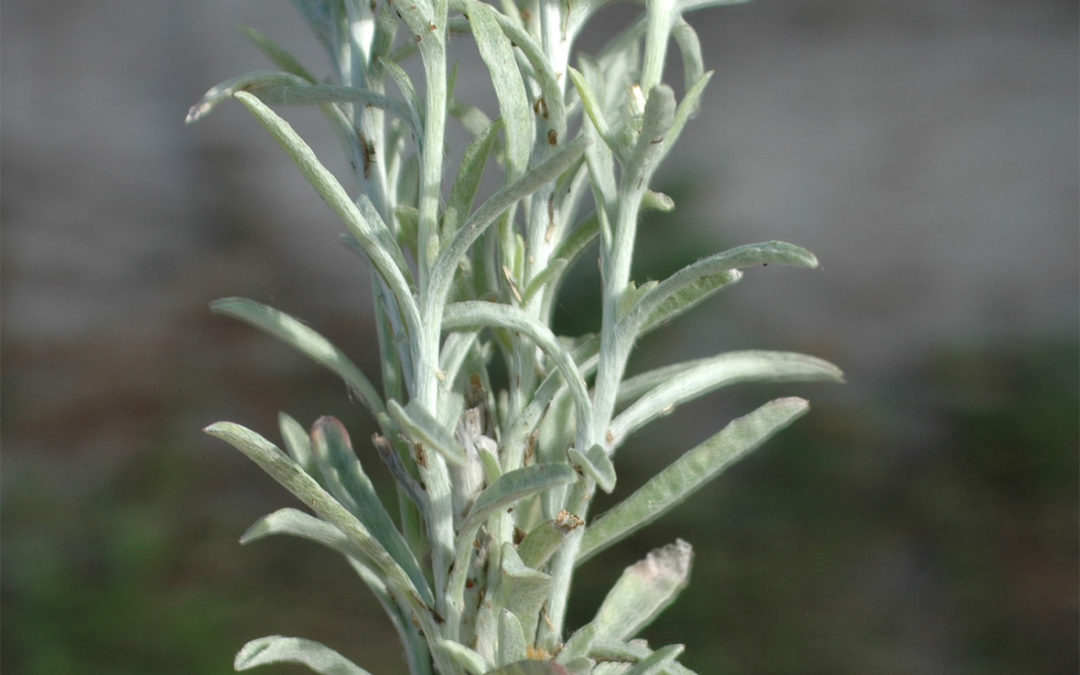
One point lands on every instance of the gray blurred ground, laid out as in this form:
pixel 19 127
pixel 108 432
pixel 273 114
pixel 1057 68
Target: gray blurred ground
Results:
pixel 926 151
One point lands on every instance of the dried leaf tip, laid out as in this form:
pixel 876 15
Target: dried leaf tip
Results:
pixel 671 561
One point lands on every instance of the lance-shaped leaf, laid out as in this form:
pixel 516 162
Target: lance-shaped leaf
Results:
pixel 657 662
pixel 422 427
pixel 634 651
pixel 498 55
pixel 293 478
pixel 554 268
pixel 475 314
pixel 696 281
pixel 338 199
pixel 298 443
pixel 516 485
pixel 468 179
pixel 597 465
pixel 686 110
pixel 580 643
pixel 408 91
pixel 545 538
pixel 455 349
pixel 339 465
pixel 321 94
pixel 593 109
pixel 523 589
pixel 687 474
pixel 704 375
pixel 299 524
pixel 512 644
pixel 692 5
pixel 643 591
pixel 253 81
pixel 652 141
pixel 530 668
pixel 508 489
pixel 296 523
pixel 472 662
pixel 552 110
pixel 585 355
pixel 278 649
pixel 690 48
pixel 442 274
pixel 305 340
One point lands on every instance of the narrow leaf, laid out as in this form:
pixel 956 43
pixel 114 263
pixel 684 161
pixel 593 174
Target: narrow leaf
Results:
pixel 704 375
pixel 468 180
pixel 580 643
pixel 466 658
pixel 652 141
pixel 657 662
pixel 691 5
pixel 298 444
pixel 552 111
pixel 475 314
pixel 633 651
pixel 223 91
pixel 422 427
pixel 597 465
pixel 289 474
pixel 408 91
pixel 442 273
pixel 593 108
pixel 643 591
pixel 687 474
pixel 687 109
pixel 277 649
pixel 455 349
pixel 337 460
pixel 498 55
pixel 523 590
pixel 508 489
pixel 295 333
pixel 545 538
pixel 554 268
pixel 515 485
pixel 690 48
pixel 296 523
pixel 300 524
pixel 696 281
pixel 328 187
pixel 512 644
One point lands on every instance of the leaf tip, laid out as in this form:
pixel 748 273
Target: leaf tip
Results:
pixel 217 429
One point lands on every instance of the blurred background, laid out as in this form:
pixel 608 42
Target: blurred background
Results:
pixel 922 518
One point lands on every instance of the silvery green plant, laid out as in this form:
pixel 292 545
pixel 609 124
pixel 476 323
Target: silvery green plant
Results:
pixel 494 486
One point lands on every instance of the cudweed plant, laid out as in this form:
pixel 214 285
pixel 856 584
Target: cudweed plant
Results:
pixel 494 486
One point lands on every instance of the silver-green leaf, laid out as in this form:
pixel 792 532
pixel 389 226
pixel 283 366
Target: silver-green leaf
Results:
pixel 690 472
pixel 293 478
pixel 333 450
pixel 699 377
pixel 643 591
pixel 278 649
pixel 294 332
pixel 422 427
pixel 498 55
